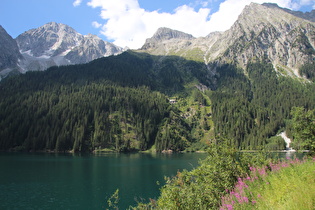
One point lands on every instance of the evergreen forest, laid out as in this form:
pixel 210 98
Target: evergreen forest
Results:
pixel 122 104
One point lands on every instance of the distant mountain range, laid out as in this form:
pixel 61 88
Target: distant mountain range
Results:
pixel 52 44
pixel 285 38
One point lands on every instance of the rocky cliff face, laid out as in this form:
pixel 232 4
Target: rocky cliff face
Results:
pixel 267 32
pixel 284 37
pixel 164 35
pixel 48 40
pixel 307 15
pixel 171 42
pixel 58 44
pixel 90 48
pixel 9 53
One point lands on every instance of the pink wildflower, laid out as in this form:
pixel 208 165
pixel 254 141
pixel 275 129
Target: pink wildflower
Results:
pixel 245 199
pixel 229 207
pixel 237 195
pixel 262 172
pixel 284 165
pixel 226 206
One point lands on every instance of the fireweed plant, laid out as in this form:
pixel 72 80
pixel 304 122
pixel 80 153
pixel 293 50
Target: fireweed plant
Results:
pixel 288 184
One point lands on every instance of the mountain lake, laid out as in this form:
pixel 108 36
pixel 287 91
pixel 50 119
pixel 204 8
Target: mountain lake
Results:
pixel 67 181
pixel 70 181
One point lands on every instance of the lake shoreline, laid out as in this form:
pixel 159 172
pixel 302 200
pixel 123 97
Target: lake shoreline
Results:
pixel 150 151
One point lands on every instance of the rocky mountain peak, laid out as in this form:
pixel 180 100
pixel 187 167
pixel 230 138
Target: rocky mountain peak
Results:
pixel 307 15
pixel 9 52
pixel 284 37
pixel 55 27
pixel 58 44
pixel 270 32
pixel 165 34
pixel 255 14
pixel 213 34
pixel 92 36
pixel 271 14
pixel 2 30
pixel 50 39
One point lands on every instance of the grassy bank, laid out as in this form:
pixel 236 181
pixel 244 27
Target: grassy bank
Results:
pixel 284 185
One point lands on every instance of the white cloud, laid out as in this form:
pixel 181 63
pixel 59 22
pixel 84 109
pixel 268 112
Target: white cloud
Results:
pixel 129 25
pixel 77 3
pixel 96 24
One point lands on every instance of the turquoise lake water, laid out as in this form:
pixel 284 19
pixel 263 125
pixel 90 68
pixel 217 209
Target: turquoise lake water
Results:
pixel 66 181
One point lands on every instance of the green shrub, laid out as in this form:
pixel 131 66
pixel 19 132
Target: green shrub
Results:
pixel 203 187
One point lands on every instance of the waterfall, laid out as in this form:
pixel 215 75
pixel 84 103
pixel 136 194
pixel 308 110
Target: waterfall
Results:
pixel 287 141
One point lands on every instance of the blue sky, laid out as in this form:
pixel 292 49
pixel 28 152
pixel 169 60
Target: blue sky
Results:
pixel 130 22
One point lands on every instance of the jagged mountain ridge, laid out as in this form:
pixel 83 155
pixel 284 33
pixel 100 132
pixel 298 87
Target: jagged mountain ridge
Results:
pixel 50 39
pixel 163 35
pixel 52 44
pixel 307 15
pixel 284 37
pixel 9 52
pixel 167 41
pixel 264 32
pixel 58 44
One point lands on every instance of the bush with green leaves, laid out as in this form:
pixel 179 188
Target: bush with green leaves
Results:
pixel 303 123
pixel 204 186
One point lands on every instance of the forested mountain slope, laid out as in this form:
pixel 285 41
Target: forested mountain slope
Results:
pixel 254 107
pixel 122 103
pixel 109 103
